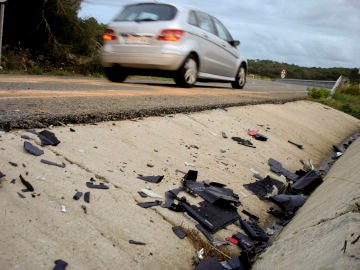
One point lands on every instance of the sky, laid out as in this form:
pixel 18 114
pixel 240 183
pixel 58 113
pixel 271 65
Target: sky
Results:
pixel 309 33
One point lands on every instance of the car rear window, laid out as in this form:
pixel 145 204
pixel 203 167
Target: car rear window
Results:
pixel 147 12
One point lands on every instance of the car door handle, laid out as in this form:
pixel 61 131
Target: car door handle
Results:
pixel 205 36
pixel 223 44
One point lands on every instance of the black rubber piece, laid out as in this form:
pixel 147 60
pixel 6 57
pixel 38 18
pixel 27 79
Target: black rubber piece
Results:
pixel 87 197
pixel 149 204
pixel 137 243
pixel 179 232
pixel 100 186
pixel 142 194
pixel 52 163
pixel 28 186
pixel 77 195
pixel 277 168
pixel 48 138
pixel 60 265
pixel 254 230
pixel 151 179
pixel 307 183
pixel 205 232
pixel 33 149
pixel 244 241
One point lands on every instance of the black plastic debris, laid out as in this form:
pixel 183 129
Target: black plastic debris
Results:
pixel 307 183
pixel 260 137
pixel 254 230
pixel 296 144
pixel 48 138
pixel 77 195
pixel 149 204
pixel 143 194
pixel 244 142
pixel 289 202
pixel 170 196
pixel 191 175
pixel 20 195
pixel 205 232
pixel 60 265
pixel 151 179
pixel 244 241
pixel 26 137
pixel 33 149
pixel 137 243
pixel 13 164
pixel 209 264
pixel 263 188
pixel 99 186
pixel 2 175
pixel 28 186
pixel 52 163
pixel 179 232
pixel 277 168
pixel 250 215
pixel 236 263
pixel 87 197
pixel 83 207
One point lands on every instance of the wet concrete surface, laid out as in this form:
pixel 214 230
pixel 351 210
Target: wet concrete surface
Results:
pixel 40 101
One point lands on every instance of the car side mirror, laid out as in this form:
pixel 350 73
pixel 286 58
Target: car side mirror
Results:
pixel 234 43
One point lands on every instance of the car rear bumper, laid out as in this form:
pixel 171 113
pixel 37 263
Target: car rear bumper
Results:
pixel 141 58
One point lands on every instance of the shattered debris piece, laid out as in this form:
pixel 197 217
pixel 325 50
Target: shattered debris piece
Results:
pixel 254 230
pixel 205 232
pixel 20 195
pixel 296 144
pixel 26 137
pixel 170 196
pixel 179 232
pixel 87 197
pixel 253 132
pixel 191 175
pixel 289 202
pixel 60 265
pixel 13 164
pixel 99 186
pixel 2 175
pixel 200 254
pixel 52 163
pixel 72 130
pixel 209 264
pixel 277 168
pixel 232 240
pixel 243 142
pixel 307 183
pixel 243 241
pixel 260 137
pixel 26 184
pixel 63 208
pixel 252 216
pixel 33 149
pixel 149 204
pixel 307 165
pixel 189 164
pixel 150 193
pixel 137 243
pixel 263 188
pixel 48 138
pixel 77 195
pixel 83 207
pixel 142 194
pixel 223 134
pixel 152 179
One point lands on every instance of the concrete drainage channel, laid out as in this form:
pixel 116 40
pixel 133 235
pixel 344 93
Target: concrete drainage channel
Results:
pixel 181 191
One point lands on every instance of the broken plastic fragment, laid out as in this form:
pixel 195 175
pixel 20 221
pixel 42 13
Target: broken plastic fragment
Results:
pixel 26 184
pixel 137 243
pixel 189 164
pixel 33 149
pixel 243 142
pixel 63 208
pixel 150 193
pixel 87 197
pixel 99 186
pixel 224 135
pixel 260 137
pixel 77 195
pixel 289 202
pixel 60 265
pixel 48 138
pixel 243 241
pixel 152 179
pixel 83 207
pixel 277 168
pixel 307 183
pixel 232 240
pixel 149 204
pixel 2 175
pixel 52 163
pixel 200 254
pixel 142 194
pixel 254 230
pixel 179 232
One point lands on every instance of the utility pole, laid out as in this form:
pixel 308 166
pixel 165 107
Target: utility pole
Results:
pixel 2 9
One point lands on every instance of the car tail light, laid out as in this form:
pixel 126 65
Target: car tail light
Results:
pixel 109 35
pixel 171 35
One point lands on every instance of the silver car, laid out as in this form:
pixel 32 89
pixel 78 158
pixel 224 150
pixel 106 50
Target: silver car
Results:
pixel 167 40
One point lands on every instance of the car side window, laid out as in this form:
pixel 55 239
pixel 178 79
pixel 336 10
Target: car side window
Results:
pixel 205 22
pixel 222 32
pixel 193 19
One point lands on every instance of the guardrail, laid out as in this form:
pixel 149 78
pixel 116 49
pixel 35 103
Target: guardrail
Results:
pixel 310 83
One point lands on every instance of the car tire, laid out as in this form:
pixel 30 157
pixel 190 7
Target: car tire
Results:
pixel 186 76
pixel 115 74
pixel 240 79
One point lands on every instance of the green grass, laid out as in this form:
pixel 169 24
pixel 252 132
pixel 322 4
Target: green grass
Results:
pixel 345 99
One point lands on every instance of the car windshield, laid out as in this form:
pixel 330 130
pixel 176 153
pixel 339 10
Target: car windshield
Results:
pixel 147 12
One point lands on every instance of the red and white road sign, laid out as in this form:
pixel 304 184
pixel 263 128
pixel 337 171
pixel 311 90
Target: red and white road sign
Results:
pixel 283 74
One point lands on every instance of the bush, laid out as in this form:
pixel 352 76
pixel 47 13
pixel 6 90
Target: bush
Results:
pixel 318 93
pixel 352 89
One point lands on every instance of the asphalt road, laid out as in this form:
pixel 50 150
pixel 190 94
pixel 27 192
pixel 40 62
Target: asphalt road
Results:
pixel 40 101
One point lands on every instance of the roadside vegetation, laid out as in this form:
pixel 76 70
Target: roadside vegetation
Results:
pixel 47 37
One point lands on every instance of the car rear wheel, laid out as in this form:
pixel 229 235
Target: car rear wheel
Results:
pixel 115 74
pixel 186 76
pixel 240 79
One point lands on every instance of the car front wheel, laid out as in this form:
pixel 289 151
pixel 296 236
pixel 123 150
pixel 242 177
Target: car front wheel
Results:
pixel 240 79
pixel 186 76
pixel 115 74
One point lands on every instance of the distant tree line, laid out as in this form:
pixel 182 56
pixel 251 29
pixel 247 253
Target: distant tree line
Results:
pixel 272 69
pixel 48 34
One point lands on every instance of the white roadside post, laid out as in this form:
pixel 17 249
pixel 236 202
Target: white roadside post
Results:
pixel 2 9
